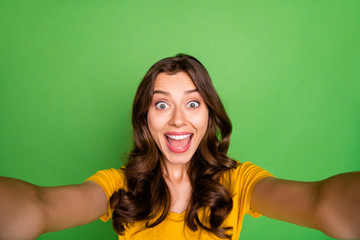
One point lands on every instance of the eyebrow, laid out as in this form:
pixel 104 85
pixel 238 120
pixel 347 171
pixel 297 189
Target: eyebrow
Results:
pixel 167 93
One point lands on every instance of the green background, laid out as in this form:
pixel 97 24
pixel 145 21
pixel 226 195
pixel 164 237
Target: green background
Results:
pixel 287 72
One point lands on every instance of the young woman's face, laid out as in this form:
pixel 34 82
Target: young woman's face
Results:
pixel 177 117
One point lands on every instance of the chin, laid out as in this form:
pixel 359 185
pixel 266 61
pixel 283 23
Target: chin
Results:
pixel 177 160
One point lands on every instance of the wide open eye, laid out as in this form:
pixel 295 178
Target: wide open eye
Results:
pixel 161 105
pixel 193 104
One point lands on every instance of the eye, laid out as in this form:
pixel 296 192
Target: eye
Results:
pixel 161 105
pixel 193 104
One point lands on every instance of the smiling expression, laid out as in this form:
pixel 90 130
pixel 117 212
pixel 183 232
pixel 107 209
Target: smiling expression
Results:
pixel 177 117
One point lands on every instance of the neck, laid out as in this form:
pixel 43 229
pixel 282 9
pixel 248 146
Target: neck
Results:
pixel 176 173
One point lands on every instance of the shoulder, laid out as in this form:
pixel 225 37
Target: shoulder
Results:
pixel 245 170
pixel 108 173
pixel 243 176
pixel 110 179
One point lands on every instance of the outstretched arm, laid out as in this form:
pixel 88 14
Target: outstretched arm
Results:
pixel 27 210
pixel 331 206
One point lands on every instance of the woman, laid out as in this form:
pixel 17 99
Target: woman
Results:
pixel 178 182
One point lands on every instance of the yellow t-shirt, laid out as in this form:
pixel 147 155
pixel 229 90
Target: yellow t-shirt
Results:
pixel 243 179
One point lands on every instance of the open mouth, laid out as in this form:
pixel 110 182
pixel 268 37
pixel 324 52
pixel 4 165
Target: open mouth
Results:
pixel 178 143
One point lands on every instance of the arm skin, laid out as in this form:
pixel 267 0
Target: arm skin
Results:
pixel 27 211
pixel 331 206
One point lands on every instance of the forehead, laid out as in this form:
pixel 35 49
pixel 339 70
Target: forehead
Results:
pixel 180 80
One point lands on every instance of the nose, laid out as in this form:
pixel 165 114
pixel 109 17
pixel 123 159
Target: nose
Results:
pixel 178 118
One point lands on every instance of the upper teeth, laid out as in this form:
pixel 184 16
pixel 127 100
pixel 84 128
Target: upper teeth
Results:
pixel 178 137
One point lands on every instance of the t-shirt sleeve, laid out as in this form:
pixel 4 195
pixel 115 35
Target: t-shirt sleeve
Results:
pixel 244 178
pixel 111 180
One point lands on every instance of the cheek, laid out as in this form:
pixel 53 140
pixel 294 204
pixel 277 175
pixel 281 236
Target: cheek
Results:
pixel 201 121
pixel 155 124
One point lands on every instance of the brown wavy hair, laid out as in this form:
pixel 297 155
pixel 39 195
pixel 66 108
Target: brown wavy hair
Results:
pixel 147 197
